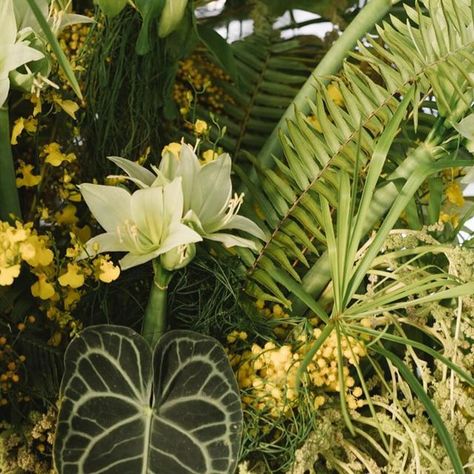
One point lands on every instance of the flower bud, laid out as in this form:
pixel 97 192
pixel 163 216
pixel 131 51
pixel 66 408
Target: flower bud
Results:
pixel 171 17
pixel 178 257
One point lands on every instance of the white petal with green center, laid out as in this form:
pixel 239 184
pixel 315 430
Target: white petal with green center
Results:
pixel 140 176
pixel 179 234
pixel 133 260
pixel 101 243
pixel 188 168
pixel 148 213
pixel 230 240
pixel 216 189
pixel 8 24
pixel 173 202
pixel 25 18
pixel 109 205
pixel 15 55
pixel 246 225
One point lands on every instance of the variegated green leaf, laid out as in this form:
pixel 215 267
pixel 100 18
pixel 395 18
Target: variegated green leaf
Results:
pixel 126 410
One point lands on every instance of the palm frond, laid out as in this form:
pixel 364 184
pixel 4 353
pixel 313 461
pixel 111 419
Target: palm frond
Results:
pixel 272 70
pixel 430 55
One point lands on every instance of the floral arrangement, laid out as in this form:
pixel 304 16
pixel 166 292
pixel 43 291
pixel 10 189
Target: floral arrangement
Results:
pixel 236 252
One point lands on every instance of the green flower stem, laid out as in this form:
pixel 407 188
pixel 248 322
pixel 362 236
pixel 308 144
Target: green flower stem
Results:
pixel 154 321
pixel 371 14
pixel 9 200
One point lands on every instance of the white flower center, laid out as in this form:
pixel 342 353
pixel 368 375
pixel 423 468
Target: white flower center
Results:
pixel 233 207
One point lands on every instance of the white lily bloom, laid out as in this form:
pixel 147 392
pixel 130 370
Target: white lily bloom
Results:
pixel 146 224
pixel 13 54
pixel 209 206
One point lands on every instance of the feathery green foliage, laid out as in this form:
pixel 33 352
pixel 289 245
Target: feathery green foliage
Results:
pixel 345 138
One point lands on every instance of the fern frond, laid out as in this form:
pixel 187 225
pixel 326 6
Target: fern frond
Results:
pixel 272 71
pixel 431 55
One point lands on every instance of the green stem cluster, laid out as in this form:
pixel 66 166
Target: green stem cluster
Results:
pixel 154 320
pixel 9 200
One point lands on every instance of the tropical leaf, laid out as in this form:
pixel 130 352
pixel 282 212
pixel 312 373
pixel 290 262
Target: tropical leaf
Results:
pixel 271 71
pixel 341 134
pixel 124 409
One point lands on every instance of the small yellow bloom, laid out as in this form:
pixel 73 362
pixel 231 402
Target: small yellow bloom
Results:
pixel 83 234
pixel 108 272
pixel 174 148
pixel 67 215
pixel 36 101
pixel 42 288
pixel 73 277
pixel 54 156
pixel 30 125
pixel 209 155
pixel 454 194
pixel 71 298
pixel 200 127
pixel 41 256
pixel 26 177
pixel 8 274
pixel 69 106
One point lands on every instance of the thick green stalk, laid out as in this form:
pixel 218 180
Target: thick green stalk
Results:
pixel 154 320
pixel 330 64
pixel 9 200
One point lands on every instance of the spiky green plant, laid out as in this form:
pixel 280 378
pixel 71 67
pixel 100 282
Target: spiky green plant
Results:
pixel 333 196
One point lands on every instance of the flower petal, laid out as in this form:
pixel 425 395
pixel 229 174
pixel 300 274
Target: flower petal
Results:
pixel 15 55
pixel 189 169
pixel 132 260
pixel 179 234
pixel 233 241
pixel 148 213
pixel 140 175
pixel 246 225
pixel 8 22
pixel 110 205
pixel 25 18
pixel 173 202
pixel 216 188
pixel 107 242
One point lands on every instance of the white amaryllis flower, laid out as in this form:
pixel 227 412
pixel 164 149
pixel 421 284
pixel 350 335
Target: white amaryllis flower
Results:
pixel 146 224
pixel 209 206
pixel 13 53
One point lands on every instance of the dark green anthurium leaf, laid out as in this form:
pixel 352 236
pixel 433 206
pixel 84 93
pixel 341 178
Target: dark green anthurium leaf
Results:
pixel 128 410
pixel 220 49
pixel 111 7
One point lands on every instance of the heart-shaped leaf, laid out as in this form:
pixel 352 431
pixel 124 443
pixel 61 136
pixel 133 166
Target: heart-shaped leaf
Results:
pixel 125 410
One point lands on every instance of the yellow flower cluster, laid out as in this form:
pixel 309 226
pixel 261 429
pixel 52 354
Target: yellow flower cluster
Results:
pixel 198 76
pixel 72 41
pixel 20 243
pixel 323 369
pixel 268 374
pixel 10 371
pixel 58 282
pixel 276 313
